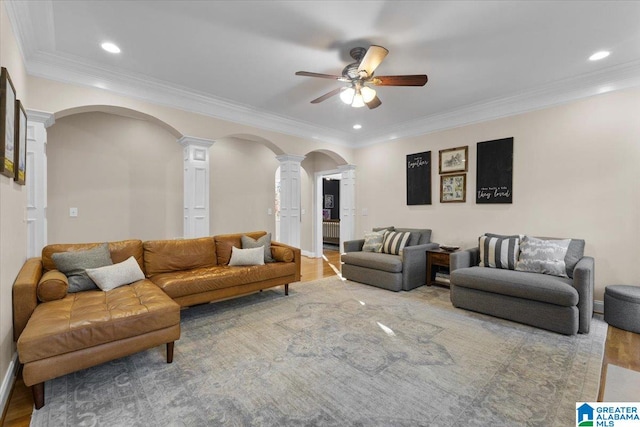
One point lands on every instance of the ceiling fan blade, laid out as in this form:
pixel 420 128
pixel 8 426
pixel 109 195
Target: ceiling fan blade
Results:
pixel 327 95
pixel 374 103
pixel 372 59
pixel 409 80
pixel 323 76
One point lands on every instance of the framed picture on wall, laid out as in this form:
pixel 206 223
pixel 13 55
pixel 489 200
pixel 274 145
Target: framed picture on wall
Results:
pixel 454 160
pixel 20 151
pixel 328 201
pixel 453 188
pixel 7 124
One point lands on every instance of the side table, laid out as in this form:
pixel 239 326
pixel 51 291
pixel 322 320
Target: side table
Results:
pixel 438 267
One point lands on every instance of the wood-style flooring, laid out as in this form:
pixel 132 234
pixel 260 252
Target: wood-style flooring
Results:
pixel 622 348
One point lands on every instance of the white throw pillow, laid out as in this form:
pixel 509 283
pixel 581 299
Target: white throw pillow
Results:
pixel 112 276
pixel 252 256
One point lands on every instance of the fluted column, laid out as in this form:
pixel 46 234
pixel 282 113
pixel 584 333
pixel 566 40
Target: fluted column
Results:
pixel 36 180
pixel 347 202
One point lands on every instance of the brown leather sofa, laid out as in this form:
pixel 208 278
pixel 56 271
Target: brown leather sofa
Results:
pixel 59 333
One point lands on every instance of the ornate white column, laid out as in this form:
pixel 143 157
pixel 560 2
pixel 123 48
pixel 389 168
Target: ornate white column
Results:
pixel 196 186
pixel 36 180
pixel 347 202
pixel 290 200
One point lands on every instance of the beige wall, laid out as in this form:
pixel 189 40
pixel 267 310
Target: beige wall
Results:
pixel 13 226
pixel 124 175
pixel 576 174
pixel 242 187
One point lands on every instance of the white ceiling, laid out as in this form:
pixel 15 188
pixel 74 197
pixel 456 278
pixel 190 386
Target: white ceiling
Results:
pixel 236 59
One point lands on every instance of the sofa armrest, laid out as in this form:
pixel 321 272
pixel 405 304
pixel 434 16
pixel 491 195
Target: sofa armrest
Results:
pixel 465 258
pixel 583 282
pixel 353 245
pixel 25 298
pixel 414 265
pixel 297 256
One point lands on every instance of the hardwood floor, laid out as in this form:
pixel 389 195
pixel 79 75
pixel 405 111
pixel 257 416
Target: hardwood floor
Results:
pixel 622 348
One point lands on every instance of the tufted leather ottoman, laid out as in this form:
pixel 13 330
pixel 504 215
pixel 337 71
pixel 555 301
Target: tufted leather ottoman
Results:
pixel 622 307
pixel 88 328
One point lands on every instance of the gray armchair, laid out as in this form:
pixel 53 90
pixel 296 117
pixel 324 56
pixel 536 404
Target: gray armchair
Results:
pixel 392 272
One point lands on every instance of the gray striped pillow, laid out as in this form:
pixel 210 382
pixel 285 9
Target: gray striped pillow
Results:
pixel 499 252
pixel 394 242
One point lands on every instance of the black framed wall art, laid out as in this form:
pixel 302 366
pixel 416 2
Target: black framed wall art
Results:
pixel 494 171
pixel 419 178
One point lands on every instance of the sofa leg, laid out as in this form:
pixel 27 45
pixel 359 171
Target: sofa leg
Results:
pixel 286 289
pixel 38 395
pixel 170 352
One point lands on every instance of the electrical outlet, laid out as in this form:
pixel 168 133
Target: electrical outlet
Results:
pixel 73 212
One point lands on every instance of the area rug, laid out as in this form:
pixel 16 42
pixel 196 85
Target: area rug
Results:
pixel 338 353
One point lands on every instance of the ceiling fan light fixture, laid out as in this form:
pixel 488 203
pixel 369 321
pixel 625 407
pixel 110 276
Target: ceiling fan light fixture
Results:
pixel 347 95
pixel 358 101
pixel 367 94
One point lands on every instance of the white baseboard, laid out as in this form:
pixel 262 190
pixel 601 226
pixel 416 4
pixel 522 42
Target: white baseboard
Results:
pixel 598 306
pixel 309 254
pixel 7 381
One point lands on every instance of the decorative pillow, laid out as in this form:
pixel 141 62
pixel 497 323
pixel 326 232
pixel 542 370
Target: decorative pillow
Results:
pixel 252 256
pixel 499 251
pixel 394 242
pixel 282 254
pixel 52 286
pixel 543 256
pixel 373 241
pixel 264 241
pixel 74 263
pixel 113 276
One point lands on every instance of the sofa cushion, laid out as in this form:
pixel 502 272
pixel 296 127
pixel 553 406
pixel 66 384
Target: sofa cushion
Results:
pixel 499 251
pixel 53 285
pixel 282 254
pixel 86 319
pixel 74 264
pixel 543 256
pixel 374 260
pixel 533 286
pixel 162 256
pixel 373 241
pixel 116 275
pixel 419 236
pixel 224 243
pixel 182 283
pixel 264 242
pixel 250 256
pixel 394 242
pixel 119 250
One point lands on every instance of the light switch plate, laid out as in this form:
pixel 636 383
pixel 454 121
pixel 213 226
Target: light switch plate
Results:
pixel 73 212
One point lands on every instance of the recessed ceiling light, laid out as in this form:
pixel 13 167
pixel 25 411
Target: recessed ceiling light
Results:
pixel 599 55
pixel 357 127
pixel 110 47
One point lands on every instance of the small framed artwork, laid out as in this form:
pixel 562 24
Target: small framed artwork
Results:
pixel 328 201
pixel 326 213
pixel 20 151
pixel 453 188
pixel 7 124
pixel 454 160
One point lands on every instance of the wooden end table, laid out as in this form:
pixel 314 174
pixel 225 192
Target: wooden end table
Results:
pixel 438 262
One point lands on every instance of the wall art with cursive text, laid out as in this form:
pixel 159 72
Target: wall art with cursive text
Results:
pixel 494 171
pixel 419 178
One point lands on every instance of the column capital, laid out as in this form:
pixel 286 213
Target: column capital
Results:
pixel 344 168
pixel 192 140
pixel 44 117
pixel 290 158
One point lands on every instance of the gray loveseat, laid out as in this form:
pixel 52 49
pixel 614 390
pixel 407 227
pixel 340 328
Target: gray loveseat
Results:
pixel 558 304
pixel 392 272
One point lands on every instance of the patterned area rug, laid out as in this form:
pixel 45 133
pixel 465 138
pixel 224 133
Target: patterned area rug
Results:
pixel 336 353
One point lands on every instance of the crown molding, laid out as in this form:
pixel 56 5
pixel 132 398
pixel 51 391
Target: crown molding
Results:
pixel 610 79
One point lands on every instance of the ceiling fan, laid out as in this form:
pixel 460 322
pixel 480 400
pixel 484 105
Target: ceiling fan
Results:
pixel 360 75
